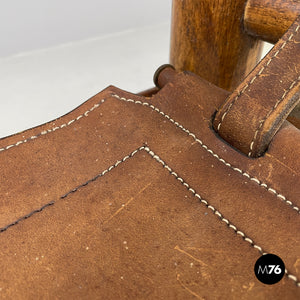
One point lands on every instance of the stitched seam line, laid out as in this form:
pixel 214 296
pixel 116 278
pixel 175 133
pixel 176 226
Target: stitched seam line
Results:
pixel 72 191
pixel 262 122
pixel 257 75
pixel 26 216
pixel 211 152
pixel 104 172
pixel 260 183
pixel 229 224
pixel 85 114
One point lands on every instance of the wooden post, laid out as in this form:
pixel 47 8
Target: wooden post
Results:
pixel 208 38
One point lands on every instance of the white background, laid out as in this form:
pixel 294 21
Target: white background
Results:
pixel 56 54
pixel 34 24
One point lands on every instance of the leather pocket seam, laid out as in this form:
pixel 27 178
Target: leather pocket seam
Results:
pixel 211 152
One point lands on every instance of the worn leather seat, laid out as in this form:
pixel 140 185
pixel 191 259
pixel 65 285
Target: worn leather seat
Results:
pixel 131 197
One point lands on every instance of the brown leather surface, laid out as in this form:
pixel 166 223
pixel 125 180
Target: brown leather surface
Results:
pixel 138 198
pixel 254 112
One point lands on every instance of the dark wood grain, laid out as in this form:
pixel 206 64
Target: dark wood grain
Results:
pixel 208 38
pixel 270 19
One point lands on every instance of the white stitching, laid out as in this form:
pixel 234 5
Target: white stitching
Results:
pixel 262 122
pixel 260 183
pixel 213 209
pixel 118 162
pixel 292 277
pixel 216 212
pixel 283 198
pixel 254 78
pixel 54 128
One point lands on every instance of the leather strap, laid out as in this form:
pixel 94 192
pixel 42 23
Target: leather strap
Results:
pixel 254 112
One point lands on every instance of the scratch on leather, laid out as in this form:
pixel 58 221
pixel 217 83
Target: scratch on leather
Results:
pixel 188 289
pixel 229 224
pixel 202 263
pixel 126 204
